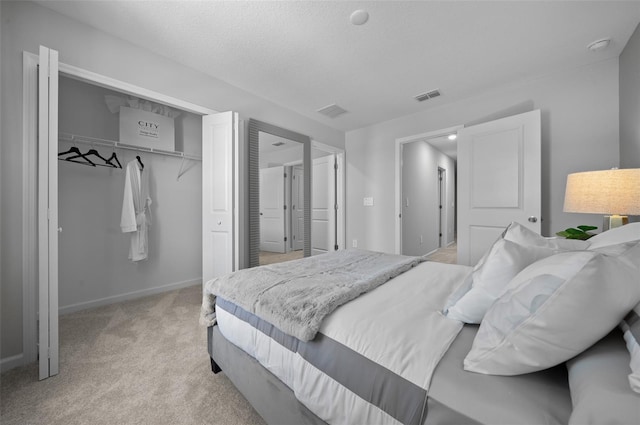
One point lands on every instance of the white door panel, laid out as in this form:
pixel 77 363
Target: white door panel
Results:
pixel 323 203
pixel 272 218
pixel 297 208
pixel 48 212
pixel 498 181
pixel 219 156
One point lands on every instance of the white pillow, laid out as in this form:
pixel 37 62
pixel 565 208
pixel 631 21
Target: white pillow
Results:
pixel 522 235
pixel 490 276
pixel 517 247
pixel 555 309
pixel 627 233
pixel 631 328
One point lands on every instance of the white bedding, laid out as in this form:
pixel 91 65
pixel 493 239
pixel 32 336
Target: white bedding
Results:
pixel 399 325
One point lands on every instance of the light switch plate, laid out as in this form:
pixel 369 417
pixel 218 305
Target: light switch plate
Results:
pixel 368 202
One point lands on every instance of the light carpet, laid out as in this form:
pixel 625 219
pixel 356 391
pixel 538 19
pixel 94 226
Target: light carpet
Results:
pixel 138 362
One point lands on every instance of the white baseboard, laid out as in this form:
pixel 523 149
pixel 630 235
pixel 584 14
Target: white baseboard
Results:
pixel 128 296
pixel 429 253
pixel 11 362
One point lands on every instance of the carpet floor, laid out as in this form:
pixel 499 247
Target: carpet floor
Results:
pixel 138 362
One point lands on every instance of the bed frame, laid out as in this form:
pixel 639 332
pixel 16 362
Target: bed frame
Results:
pixel 269 396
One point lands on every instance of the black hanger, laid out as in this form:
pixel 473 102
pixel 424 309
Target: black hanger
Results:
pixel 140 161
pixel 112 158
pixel 107 162
pixel 78 154
pixel 71 150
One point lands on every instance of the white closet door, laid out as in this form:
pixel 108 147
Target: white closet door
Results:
pixel 220 134
pixel 498 181
pixel 48 212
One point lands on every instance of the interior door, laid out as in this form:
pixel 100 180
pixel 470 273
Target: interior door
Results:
pixel 272 208
pixel 323 203
pixel 498 181
pixel 48 213
pixel 297 208
pixel 220 250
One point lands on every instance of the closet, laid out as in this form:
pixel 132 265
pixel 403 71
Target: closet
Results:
pixel 94 268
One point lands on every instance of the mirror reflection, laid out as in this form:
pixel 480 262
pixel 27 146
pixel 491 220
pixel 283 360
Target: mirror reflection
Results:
pixel 281 183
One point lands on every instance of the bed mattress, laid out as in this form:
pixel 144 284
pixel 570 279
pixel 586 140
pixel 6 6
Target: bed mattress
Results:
pixel 388 363
pixel 456 396
pixel 372 360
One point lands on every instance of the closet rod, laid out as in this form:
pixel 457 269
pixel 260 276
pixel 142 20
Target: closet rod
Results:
pixel 67 137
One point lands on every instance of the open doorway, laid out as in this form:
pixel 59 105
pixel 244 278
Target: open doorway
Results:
pixel 426 193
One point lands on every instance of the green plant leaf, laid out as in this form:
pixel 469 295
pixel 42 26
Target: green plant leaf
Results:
pixel 579 233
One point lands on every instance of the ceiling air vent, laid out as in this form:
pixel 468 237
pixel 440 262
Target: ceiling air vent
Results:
pixel 332 111
pixel 428 95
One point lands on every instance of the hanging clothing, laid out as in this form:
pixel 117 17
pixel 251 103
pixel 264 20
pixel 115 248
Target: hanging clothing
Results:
pixel 136 210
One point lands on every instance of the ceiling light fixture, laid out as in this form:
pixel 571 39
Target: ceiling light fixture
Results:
pixel 359 17
pixel 599 44
pixel 452 137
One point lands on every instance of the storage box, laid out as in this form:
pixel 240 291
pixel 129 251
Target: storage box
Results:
pixel 146 129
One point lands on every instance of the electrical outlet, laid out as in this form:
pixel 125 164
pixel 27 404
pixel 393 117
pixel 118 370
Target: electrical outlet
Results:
pixel 368 202
pixel 354 243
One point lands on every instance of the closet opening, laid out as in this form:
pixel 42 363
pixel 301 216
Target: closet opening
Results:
pixel 70 201
pixel 102 133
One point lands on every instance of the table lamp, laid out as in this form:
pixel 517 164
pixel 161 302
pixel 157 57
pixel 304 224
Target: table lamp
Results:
pixel 615 193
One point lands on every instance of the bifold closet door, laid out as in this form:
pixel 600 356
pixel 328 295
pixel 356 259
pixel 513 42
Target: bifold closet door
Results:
pixel 48 212
pixel 220 252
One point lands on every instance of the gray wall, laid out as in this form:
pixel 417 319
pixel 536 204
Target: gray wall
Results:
pixel 579 133
pixel 630 103
pixel 25 26
pixel 420 184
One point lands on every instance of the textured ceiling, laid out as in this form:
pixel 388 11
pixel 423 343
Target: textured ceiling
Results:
pixel 305 55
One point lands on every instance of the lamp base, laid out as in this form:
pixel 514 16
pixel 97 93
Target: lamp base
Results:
pixel 611 221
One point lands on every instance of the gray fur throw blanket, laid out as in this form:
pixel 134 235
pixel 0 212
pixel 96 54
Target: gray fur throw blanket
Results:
pixel 295 296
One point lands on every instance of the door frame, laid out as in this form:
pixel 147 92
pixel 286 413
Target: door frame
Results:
pixel 30 241
pixel 398 173
pixel 442 202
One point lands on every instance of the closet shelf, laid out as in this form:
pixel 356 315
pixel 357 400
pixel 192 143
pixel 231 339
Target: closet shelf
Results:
pixel 67 137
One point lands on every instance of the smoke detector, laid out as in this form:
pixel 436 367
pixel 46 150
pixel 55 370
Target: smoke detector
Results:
pixel 598 45
pixel 359 17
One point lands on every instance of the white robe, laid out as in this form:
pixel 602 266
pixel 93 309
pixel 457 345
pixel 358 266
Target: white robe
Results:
pixel 136 210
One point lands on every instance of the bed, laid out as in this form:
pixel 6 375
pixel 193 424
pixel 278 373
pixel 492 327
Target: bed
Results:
pixel 415 342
